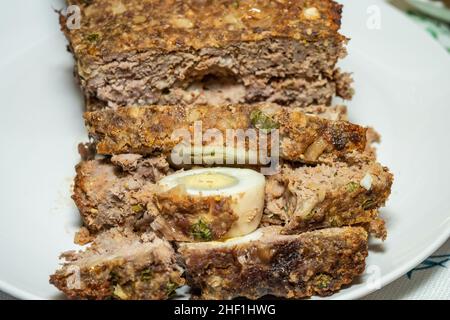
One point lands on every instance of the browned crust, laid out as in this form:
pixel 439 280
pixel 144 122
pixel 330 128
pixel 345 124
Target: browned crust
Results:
pixel 174 25
pixel 146 270
pixel 312 263
pixel 148 130
pixel 377 228
pixel 83 236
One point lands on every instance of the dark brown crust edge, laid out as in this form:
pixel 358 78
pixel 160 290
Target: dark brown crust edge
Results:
pixel 313 263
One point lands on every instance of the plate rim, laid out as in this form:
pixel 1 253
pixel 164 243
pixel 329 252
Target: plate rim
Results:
pixel 356 293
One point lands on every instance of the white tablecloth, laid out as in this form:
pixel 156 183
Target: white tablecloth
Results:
pixel 429 280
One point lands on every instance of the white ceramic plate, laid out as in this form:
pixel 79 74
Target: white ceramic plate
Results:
pixel 402 80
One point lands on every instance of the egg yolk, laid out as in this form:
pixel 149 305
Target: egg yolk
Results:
pixel 208 181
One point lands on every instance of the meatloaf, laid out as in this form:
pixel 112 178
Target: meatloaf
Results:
pixel 178 52
pixel 307 198
pixel 191 218
pixel 153 129
pixel 111 193
pixel 123 265
pixel 269 263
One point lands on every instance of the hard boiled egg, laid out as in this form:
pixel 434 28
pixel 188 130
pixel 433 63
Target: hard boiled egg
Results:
pixel 245 187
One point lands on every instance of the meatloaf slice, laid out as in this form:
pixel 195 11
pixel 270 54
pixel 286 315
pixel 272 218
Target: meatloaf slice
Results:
pixel 120 264
pixel 308 198
pixel 153 129
pixel 121 191
pixel 190 218
pixel 214 90
pixel 139 52
pixel 269 263
pixel 113 192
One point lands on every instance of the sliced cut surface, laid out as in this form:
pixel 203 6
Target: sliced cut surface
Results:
pixel 114 192
pixel 307 198
pixel 218 90
pixel 123 190
pixel 267 262
pixel 121 265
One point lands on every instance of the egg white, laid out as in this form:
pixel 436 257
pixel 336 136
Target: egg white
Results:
pixel 246 191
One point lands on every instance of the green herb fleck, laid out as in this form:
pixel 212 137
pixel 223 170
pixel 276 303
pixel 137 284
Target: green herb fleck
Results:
pixel 147 275
pixel 113 277
pixel 262 121
pixel 352 186
pixel 335 221
pixel 322 281
pixel 310 214
pixel 236 4
pixel 137 208
pixel 93 37
pixel 201 231
pixel 170 288
pixel 368 204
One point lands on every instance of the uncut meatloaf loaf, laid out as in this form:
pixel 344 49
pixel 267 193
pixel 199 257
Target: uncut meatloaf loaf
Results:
pixel 269 263
pixel 118 192
pixel 120 264
pixel 154 129
pixel 140 52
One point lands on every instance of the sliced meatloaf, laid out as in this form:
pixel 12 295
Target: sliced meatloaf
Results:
pixel 141 52
pixel 307 198
pixel 190 218
pixel 120 264
pixel 118 192
pixel 153 129
pixel 113 192
pixel 269 263
pixel 121 191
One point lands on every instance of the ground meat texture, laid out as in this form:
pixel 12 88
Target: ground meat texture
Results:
pixel 288 266
pixel 308 198
pixel 148 130
pixel 120 264
pixel 214 90
pixel 168 52
pixel 110 195
pixel 376 227
pixel 299 198
pixel 121 191
pixel 183 218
